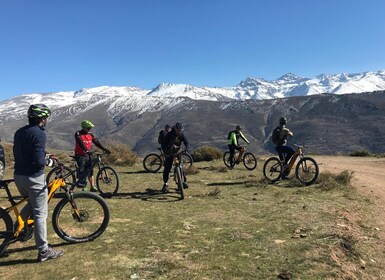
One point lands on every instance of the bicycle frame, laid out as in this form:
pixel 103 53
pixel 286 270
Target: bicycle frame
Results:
pixel 298 153
pixel 52 188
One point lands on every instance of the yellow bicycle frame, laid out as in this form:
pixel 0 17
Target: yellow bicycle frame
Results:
pixel 52 188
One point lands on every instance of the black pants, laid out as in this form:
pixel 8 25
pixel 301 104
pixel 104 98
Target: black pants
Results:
pixel 232 149
pixel 84 167
pixel 285 153
pixel 167 168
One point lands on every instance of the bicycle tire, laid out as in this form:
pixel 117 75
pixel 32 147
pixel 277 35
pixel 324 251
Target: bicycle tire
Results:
pixel 6 230
pixel 152 163
pixel 107 181
pixel 187 160
pixel 81 229
pixel 272 169
pixel 57 172
pixel 307 171
pixel 179 181
pixel 249 161
pixel 226 160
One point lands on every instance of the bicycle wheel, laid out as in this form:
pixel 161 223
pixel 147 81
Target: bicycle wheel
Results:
pixel 186 160
pixel 107 181
pixel 272 169
pixel 226 160
pixel 6 230
pixel 84 218
pixel 307 171
pixel 249 161
pixel 57 171
pixel 152 163
pixel 179 181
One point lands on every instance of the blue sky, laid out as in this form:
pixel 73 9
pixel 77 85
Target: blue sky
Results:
pixel 50 45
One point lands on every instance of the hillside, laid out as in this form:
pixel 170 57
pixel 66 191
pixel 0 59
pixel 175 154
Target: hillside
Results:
pixel 327 123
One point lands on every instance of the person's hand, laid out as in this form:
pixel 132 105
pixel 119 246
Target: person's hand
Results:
pixel 286 131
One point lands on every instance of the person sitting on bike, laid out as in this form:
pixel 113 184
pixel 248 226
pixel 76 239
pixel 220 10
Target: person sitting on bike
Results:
pixel 30 160
pixel 171 146
pixel 163 133
pixel 84 140
pixel 233 144
pixel 279 138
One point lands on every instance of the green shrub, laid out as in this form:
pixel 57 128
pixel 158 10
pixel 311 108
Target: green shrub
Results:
pixel 206 154
pixel 120 154
pixel 360 153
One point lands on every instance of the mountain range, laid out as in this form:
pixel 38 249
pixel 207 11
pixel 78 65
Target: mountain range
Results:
pixel 134 116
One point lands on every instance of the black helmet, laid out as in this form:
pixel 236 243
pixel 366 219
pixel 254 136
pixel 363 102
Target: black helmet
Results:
pixel 167 127
pixel 238 127
pixel 38 111
pixel 179 126
pixel 282 120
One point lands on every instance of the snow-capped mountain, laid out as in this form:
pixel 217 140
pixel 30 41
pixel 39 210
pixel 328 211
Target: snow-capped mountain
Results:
pixel 286 86
pixel 132 114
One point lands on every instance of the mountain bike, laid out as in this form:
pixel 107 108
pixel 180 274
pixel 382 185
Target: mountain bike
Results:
pixel 306 170
pixel 78 217
pixel 248 159
pixel 179 173
pixel 107 180
pixel 153 162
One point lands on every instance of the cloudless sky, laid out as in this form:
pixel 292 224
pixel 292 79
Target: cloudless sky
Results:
pixel 48 45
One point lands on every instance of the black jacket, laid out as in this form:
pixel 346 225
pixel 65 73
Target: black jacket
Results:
pixel 171 140
pixel 29 150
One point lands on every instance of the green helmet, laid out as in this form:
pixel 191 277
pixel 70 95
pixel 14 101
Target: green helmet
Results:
pixel 38 111
pixel 87 124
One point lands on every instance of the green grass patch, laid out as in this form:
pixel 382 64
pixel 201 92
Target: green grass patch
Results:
pixel 231 225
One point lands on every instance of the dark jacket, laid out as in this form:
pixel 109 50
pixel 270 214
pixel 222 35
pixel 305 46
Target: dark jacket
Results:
pixel 171 140
pixel 29 150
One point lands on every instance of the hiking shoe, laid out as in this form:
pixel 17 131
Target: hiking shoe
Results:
pixel 81 184
pixel 93 189
pixel 185 186
pixel 165 188
pixel 48 254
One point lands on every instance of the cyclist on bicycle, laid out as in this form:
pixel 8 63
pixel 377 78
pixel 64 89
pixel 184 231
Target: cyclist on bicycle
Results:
pixel 279 138
pixel 30 159
pixel 233 144
pixel 171 146
pixel 84 140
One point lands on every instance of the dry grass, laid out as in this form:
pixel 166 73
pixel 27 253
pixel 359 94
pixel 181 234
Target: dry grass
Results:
pixel 231 225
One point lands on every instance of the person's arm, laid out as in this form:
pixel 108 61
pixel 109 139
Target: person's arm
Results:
pixel 287 132
pixel 39 143
pixel 244 138
pixel 186 142
pixel 99 145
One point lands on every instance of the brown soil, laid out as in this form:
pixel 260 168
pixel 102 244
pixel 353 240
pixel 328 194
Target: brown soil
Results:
pixel 369 176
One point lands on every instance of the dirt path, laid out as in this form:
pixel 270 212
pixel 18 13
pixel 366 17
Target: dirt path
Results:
pixel 369 177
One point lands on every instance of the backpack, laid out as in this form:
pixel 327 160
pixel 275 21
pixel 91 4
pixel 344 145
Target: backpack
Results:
pixel 229 135
pixel 161 136
pixel 276 136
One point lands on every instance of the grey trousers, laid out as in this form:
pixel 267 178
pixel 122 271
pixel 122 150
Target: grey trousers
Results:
pixel 36 189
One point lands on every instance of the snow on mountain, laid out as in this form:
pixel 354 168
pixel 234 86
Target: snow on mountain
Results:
pixel 133 99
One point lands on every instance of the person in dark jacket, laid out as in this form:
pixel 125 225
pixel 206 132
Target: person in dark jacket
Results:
pixel 30 160
pixel 279 138
pixel 171 146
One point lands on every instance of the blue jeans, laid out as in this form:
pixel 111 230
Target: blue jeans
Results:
pixel 36 189
pixel 285 153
